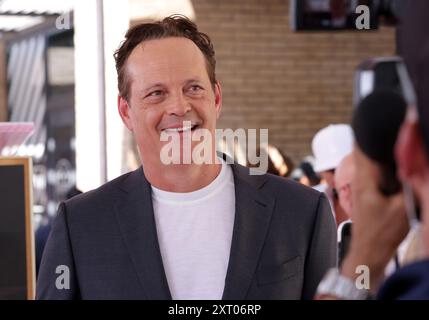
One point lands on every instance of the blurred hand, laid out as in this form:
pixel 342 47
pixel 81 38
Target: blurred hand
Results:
pixel 379 222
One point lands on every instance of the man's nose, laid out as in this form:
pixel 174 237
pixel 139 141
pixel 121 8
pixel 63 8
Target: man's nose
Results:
pixel 178 105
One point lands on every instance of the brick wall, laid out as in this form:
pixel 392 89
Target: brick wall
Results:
pixel 291 83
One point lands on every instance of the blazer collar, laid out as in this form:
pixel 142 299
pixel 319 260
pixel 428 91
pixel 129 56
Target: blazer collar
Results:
pixel 253 210
pixel 134 213
pixel 136 220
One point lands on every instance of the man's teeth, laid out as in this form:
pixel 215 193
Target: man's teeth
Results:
pixel 182 129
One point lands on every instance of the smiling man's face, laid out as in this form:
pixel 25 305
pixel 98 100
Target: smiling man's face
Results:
pixel 169 84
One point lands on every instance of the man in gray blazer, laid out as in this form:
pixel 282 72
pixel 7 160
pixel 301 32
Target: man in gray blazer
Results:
pixel 186 229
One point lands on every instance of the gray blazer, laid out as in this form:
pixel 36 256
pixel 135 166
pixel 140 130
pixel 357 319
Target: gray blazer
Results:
pixel 284 240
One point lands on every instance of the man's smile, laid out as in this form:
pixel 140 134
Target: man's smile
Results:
pixel 179 128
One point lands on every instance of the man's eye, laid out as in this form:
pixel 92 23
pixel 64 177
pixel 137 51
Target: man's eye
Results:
pixel 195 88
pixel 155 93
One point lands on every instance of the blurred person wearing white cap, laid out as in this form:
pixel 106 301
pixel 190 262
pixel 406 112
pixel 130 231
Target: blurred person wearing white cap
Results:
pixel 330 145
pixel 343 183
pixel 343 180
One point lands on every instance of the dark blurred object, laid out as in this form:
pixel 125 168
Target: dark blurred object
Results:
pixel 388 11
pixel 328 15
pixel 413 46
pixel 332 15
pixel 312 176
pixel 344 239
pixel 305 173
pixel 376 122
pixel 383 90
pixel 384 73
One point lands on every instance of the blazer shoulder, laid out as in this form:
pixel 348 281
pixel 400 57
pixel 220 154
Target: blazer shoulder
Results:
pixel 103 196
pixel 292 198
pixel 281 186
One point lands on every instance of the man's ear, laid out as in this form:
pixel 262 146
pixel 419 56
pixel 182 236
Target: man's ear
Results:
pixel 410 152
pixel 124 112
pixel 218 98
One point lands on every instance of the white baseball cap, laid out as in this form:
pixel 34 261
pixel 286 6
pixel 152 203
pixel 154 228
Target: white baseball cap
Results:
pixel 330 145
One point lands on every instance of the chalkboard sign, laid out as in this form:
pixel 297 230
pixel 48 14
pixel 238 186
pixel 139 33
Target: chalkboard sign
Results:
pixel 17 275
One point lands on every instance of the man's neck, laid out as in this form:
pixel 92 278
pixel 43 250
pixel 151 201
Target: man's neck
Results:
pixel 182 178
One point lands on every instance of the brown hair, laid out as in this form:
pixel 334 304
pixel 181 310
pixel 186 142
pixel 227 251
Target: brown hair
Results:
pixel 172 26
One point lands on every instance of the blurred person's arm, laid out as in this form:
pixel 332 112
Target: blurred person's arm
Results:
pixel 379 226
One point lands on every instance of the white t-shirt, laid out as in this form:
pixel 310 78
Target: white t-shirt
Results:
pixel 194 234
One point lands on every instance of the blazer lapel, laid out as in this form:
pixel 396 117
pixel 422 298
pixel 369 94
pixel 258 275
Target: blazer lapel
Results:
pixel 136 220
pixel 134 212
pixel 252 219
